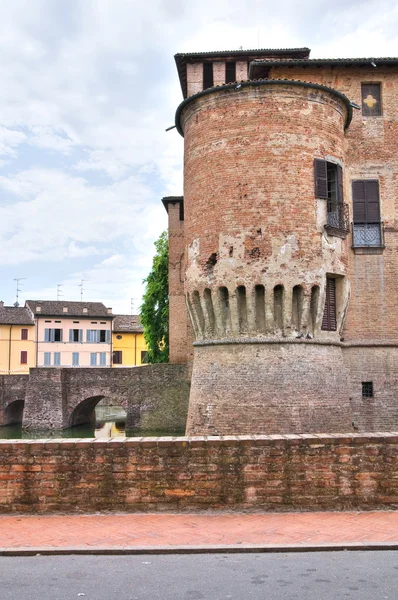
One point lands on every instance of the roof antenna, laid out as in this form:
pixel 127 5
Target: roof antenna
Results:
pixel 132 305
pixel 59 291
pixel 81 289
pixel 18 279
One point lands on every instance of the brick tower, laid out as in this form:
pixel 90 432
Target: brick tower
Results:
pixel 266 267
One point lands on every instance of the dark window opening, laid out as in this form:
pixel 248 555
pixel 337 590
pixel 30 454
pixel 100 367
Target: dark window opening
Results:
pixel 230 72
pixel 57 335
pixel 102 335
pixel 24 357
pixel 371 99
pixel 119 337
pixel 144 356
pixel 24 334
pixel 208 80
pixel 75 335
pixel 367 389
pixel 367 226
pixel 329 186
pixel 329 321
pixel 117 357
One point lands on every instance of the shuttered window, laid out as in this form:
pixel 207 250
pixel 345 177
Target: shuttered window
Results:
pixel 47 359
pixel 102 356
pixel 371 99
pixel 117 357
pixel 24 357
pixel 75 359
pixel 366 213
pixel 24 334
pixel 328 179
pixel 93 359
pixel 57 359
pixel 329 321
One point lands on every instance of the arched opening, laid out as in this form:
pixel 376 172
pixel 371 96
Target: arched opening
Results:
pixel 242 308
pixel 106 417
pixel 209 309
pixel 314 306
pixel 297 307
pixel 225 315
pixel 279 294
pixel 14 412
pixel 259 301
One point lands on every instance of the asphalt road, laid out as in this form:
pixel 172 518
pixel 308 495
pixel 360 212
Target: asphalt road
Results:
pixel 291 576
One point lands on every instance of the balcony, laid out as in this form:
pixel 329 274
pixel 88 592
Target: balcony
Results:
pixel 337 219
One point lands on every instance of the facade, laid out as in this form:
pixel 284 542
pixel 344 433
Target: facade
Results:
pixel 284 246
pixel 129 347
pixel 17 341
pixel 72 334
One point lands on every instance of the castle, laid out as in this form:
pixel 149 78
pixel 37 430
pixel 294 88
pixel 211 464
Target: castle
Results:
pixel 283 264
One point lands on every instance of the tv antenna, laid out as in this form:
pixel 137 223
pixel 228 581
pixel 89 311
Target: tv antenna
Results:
pixel 59 291
pixel 132 305
pixel 81 286
pixel 18 279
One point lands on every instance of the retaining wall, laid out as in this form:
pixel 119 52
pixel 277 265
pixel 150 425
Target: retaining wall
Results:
pixel 305 472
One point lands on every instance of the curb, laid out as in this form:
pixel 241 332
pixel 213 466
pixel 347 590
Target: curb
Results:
pixel 209 549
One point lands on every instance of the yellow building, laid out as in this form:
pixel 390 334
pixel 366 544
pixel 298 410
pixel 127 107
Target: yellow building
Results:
pixel 129 348
pixel 17 340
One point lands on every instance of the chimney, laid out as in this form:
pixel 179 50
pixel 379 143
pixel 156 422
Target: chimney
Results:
pixel 38 308
pixel 1 304
pixel 109 311
pixel 65 309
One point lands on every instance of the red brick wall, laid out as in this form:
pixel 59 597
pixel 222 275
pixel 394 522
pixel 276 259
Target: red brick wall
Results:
pixel 310 472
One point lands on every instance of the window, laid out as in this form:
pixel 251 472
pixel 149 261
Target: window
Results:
pixel 53 335
pixel 24 334
pixel 367 230
pixel 329 321
pixel 367 389
pixel 57 359
pixel 144 356
pixel 371 99
pixel 47 359
pixel 208 80
pixel 75 335
pixel 24 357
pixel 117 357
pixel 93 359
pixel 230 72
pixel 75 359
pixel 98 336
pixel 119 337
pixel 329 186
pixel 102 356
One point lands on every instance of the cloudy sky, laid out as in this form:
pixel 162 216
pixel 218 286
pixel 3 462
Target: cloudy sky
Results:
pixel 88 88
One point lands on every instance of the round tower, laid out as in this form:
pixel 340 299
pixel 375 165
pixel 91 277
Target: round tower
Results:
pixel 265 279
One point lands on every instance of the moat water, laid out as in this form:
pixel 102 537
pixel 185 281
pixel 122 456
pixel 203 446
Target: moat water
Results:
pixel 110 422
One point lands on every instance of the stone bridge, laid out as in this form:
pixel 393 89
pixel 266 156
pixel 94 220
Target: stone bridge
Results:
pixel 154 396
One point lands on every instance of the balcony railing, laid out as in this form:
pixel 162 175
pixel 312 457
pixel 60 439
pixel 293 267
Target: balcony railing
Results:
pixel 337 219
pixel 368 235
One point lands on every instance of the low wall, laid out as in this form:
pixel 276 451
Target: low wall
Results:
pixel 306 472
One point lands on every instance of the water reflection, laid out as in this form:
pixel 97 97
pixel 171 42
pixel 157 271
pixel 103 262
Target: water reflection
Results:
pixel 110 421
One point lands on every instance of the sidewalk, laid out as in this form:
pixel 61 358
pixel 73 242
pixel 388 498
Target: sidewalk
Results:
pixel 200 532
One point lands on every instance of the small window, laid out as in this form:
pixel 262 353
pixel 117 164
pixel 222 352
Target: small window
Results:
pixel 75 359
pixel 47 359
pixel 47 321
pixel 117 357
pixel 102 322
pixel 76 321
pixel 57 359
pixel 24 334
pixel 94 322
pixel 230 72
pixel 24 357
pixel 329 321
pixel 367 389
pixel 367 226
pixel 119 337
pixel 57 321
pixel 371 99
pixel 144 357
pixel 208 80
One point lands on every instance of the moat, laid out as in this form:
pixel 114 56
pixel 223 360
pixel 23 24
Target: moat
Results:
pixel 110 422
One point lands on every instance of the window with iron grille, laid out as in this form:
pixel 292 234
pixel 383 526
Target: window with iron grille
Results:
pixel 329 186
pixel 371 99
pixel 367 226
pixel 367 389
pixel 329 320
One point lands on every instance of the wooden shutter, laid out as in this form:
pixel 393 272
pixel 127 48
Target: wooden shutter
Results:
pixel 329 320
pixel 108 336
pixel 47 335
pixel 366 202
pixel 24 357
pixel 321 178
pixel 340 186
pixel 71 335
pixel 80 335
pixel 24 334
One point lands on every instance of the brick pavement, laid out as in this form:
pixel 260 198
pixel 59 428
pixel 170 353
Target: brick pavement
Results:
pixel 118 532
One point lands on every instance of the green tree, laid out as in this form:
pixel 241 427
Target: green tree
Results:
pixel 155 306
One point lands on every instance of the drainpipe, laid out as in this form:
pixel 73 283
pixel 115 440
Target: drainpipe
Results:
pixel 37 342
pixel 111 356
pixel 9 352
pixel 135 349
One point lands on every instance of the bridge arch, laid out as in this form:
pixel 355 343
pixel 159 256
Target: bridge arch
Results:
pixel 14 412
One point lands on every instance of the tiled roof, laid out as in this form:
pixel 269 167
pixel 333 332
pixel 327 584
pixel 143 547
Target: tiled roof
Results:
pixel 75 309
pixel 127 324
pixel 183 58
pixel 11 315
pixel 307 62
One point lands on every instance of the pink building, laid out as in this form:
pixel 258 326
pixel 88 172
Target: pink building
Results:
pixel 72 334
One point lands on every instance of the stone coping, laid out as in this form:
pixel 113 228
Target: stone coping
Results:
pixel 306 438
